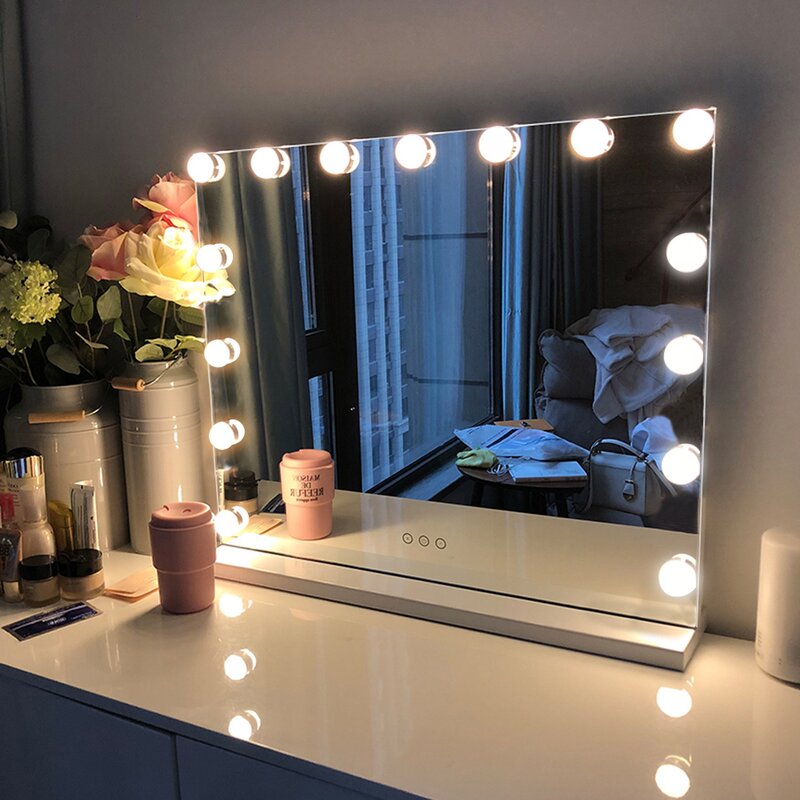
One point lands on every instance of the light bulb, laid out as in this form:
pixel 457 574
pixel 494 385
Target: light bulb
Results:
pixel 178 238
pixel 339 158
pixel 681 464
pixel 205 167
pixel 270 162
pixel 693 129
pixel 213 257
pixel 687 252
pixel 414 151
pixel 672 778
pixel 232 606
pixel 591 138
pixel 675 703
pixel 226 434
pixel 230 521
pixel 239 665
pixel 499 144
pixel 221 352
pixel 244 725
pixel 678 576
pixel 684 354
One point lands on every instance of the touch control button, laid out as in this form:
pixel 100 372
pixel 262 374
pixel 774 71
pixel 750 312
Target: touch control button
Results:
pixel 408 538
pixel 440 543
pixel 424 540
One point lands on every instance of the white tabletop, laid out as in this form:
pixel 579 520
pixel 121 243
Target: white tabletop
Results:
pixel 432 710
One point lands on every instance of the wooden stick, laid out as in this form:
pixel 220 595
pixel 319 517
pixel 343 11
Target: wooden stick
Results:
pixel 128 384
pixel 43 417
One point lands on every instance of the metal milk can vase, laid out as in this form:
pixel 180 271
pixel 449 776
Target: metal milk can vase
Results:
pixel 76 429
pixel 161 439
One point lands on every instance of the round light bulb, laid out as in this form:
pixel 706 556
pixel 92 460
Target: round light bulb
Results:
pixel 681 464
pixel 687 252
pixel 499 144
pixel 226 434
pixel 270 162
pixel 230 521
pixel 232 606
pixel 214 257
pixel 244 725
pixel 339 158
pixel 591 138
pixel 414 151
pixel 239 665
pixel 684 354
pixel 693 129
pixel 675 703
pixel 205 167
pixel 672 779
pixel 221 352
pixel 678 576
pixel 178 238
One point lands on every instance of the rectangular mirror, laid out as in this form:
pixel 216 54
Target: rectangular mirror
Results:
pixel 410 303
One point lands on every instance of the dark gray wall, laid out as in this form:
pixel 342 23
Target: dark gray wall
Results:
pixel 121 89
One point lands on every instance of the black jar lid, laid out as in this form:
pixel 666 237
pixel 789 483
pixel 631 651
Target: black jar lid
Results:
pixel 38 568
pixel 241 485
pixel 79 563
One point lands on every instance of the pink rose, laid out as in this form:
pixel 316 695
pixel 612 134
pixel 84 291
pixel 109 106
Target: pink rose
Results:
pixel 173 200
pixel 108 250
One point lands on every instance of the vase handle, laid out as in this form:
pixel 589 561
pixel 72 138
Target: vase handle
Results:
pixel 128 384
pixel 43 417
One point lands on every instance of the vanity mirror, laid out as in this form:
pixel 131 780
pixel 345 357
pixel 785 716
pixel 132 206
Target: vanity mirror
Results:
pixel 398 297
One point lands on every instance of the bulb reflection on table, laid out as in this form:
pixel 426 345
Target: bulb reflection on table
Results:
pixel 675 703
pixel 239 665
pixel 672 777
pixel 232 606
pixel 244 725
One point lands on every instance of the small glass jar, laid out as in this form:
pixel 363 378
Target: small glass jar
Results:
pixel 241 489
pixel 81 573
pixel 39 578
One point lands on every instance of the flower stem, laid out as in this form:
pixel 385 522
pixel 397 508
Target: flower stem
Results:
pixel 133 321
pixel 28 367
pixel 164 319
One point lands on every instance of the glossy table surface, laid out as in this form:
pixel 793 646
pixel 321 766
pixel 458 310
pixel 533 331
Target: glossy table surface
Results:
pixel 424 708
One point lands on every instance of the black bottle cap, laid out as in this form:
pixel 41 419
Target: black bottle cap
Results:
pixel 37 568
pixel 241 485
pixel 79 563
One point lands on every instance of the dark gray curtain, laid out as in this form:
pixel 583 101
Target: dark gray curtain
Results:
pixel 267 388
pixel 550 254
pixel 13 153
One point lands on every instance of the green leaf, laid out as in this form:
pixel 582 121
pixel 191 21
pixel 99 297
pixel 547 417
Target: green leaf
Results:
pixel 8 220
pixel 63 358
pixel 90 343
pixel 83 310
pixel 149 352
pixel 190 343
pixel 73 265
pixel 194 316
pixel 26 335
pixel 167 344
pixel 37 244
pixel 156 305
pixel 119 329
pixel 109 304
pixel 70 293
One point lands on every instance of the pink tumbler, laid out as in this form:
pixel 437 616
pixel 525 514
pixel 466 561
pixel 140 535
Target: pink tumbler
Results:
pixel 307 489
pixel 184 546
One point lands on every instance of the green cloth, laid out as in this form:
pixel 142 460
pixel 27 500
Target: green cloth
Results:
pixel 477 459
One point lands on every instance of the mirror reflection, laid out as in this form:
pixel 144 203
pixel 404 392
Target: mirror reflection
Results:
pixel 513 318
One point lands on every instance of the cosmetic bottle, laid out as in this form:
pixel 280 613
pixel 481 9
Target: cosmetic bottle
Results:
pixel 81 574
pixel 39 578
pixel 61 521
pixel 9 564
pixel 241 489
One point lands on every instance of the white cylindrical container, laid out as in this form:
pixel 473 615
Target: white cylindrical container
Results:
pixel 84 446
pixel 162 442
pixel 778 621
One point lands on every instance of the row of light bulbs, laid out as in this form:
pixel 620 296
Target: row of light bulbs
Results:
pixel 590 138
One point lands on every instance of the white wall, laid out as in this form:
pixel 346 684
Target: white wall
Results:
pixel 122 89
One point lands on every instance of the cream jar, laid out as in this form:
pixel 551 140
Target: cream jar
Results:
pixel 81 574
pixel 39 578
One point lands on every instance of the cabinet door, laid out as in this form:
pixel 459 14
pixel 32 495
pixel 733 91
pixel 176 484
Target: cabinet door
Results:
pixel 209 773
pixel 56 748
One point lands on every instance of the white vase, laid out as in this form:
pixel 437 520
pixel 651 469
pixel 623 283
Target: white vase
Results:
pixel 162 442
pixel 87 448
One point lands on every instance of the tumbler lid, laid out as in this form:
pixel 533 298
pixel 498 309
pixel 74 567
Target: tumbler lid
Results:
pixel 181 515
pixel 307 459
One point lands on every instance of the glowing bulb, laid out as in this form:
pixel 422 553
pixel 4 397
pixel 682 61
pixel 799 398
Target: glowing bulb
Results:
pixel 230 521
pixel 226 434
pixel 684 354
pixel 232 606
pixel 499 144
pixel 221 352
pixel 270 162
pixel 678 576
pixel 239 665
pixel 687 252
pixel 675 703
pixel 591 138
pixel 681 464
pixel 339 158
pixel 205 167
pixel 693 129
pixel 244 725
pixel 178 238
pixel 213 257
pixel 414 151
pixel 672 779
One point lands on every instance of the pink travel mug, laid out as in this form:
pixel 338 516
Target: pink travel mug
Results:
pixel 184 546
pixel 307 489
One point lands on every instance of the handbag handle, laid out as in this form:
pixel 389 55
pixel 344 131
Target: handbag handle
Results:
pixel 601 445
